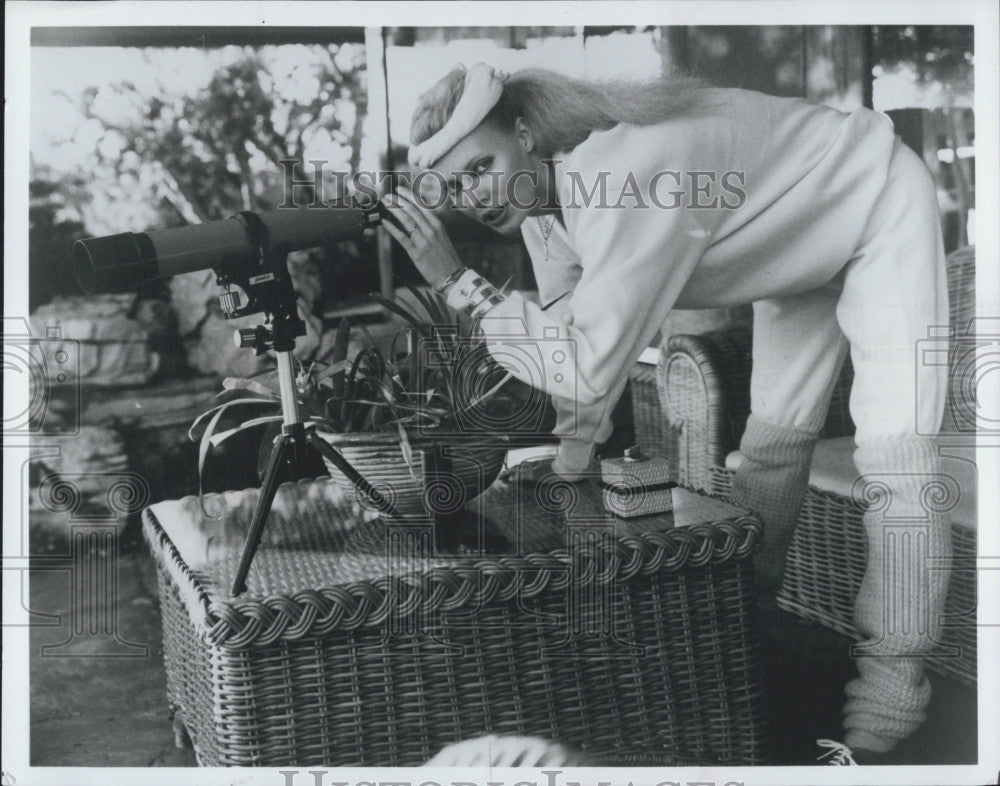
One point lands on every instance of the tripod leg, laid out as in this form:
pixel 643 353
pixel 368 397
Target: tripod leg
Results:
pixel 267 491
pixel 327 450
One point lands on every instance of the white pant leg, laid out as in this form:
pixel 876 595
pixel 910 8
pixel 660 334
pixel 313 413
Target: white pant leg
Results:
pixel 894 291
pixel 798 352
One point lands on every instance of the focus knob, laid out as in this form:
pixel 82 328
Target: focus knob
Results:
pixel 252 338
pixel 245 337
pixel 230 302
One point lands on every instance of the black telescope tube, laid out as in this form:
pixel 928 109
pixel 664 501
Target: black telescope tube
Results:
pixel 116 263
pixel 122 262
pixel 306 227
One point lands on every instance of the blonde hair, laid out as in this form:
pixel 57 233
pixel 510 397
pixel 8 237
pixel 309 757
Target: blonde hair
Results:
pixel 562 111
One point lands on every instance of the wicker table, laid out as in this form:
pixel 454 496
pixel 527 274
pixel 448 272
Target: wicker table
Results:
pixel 364 643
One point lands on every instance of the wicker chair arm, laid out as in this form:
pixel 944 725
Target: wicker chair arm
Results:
pixel 704 387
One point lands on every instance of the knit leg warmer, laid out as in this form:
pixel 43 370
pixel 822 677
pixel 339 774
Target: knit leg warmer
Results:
pixel 902 597
pixel 771 481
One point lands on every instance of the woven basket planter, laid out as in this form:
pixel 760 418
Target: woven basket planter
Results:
pixel 443 478
pixel 358 644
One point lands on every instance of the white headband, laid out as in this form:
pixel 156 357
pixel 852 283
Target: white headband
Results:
pixel 482 90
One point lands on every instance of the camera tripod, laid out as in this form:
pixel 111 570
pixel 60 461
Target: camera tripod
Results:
pixel 290 445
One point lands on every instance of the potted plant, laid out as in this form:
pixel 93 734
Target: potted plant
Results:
pixel 422 421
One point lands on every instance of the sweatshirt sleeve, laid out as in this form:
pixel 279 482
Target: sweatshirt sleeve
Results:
pixel 636 257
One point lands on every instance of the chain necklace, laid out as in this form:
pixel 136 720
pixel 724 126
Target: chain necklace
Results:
pixel 546 231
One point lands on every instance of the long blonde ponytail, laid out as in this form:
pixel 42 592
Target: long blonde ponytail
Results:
pixel 562 111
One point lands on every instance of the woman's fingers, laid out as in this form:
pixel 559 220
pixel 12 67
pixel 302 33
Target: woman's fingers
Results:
pixel 407 225
pixel 423 238
pixel 414 200
pixel 428 222
pixel 402 237
pixel 412 221
pixel 399 213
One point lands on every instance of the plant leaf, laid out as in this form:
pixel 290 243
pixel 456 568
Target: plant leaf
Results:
pixel 342 341
pixel 349 383
pixel 340 367
pixel 400 311
pixel 489 393
pixel 206 439
pixel 222 407
pixel 253 385
pixel 406 448
pixel 338 373
pixel 429 304
pixel 222 436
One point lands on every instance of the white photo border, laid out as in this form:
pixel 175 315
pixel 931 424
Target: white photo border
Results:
pixel 982 14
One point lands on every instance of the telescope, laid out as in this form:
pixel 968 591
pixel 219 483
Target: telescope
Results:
pixel 248 253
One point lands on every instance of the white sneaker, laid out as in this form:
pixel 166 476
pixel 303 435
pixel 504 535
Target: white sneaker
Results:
pixel 838 755
pixel 505 751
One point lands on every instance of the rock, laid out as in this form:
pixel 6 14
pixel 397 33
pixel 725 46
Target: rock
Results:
pixel 93 340
pixel 303 267
pixel 308 345
pixel 192 295
pixel 159 320
pixel 173 403
pixel 153 422
pixel 91 449
pixel 89 461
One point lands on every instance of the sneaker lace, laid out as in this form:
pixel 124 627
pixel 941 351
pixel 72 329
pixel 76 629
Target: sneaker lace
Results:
pixel 838 755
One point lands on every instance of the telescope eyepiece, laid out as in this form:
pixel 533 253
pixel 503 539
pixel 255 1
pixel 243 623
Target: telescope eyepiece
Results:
pixel 115 263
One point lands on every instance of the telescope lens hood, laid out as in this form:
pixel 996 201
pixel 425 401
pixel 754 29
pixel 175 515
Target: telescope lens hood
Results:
pixel 116 263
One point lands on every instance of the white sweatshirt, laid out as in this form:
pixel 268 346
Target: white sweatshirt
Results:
pixel 802 180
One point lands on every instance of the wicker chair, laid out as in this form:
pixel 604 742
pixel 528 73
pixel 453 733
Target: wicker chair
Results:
pixel 703 386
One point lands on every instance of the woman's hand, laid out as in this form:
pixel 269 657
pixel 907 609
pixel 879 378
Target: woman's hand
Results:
pixel 422 235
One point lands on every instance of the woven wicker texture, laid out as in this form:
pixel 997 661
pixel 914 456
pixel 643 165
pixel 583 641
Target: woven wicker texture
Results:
pixel 637 486
pixel 960 415
pixel 828 553
pixel 651 431
pixel 373 644
pixel 826 563
pixel 442 479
